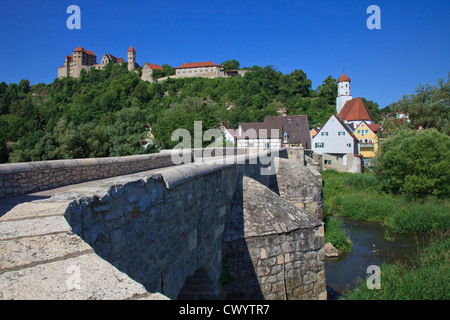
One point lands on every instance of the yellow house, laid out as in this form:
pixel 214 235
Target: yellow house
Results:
pixel 368 140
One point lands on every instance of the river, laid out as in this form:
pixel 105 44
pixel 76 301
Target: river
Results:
pixel 369 248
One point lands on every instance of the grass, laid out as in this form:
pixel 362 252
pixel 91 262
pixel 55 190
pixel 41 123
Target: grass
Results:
pixel 427 278
pixel 335 234
pixel 359 196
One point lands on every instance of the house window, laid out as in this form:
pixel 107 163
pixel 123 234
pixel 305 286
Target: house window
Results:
pixel 341 133
pixel 367 131
pixel 359 131
pixel 267 145
pixel 349 145
pixel 324 133
pixel 327 162
pixel 320 145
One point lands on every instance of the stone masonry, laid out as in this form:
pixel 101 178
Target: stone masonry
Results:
pixel 143 235
pixel 272 249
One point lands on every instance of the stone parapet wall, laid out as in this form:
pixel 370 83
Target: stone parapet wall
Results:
pixel 19 178
pixel 301 185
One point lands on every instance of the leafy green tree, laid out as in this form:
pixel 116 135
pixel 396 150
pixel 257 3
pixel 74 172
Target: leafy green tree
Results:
pixel 168 70
pixel 328 90
pixel 428 107
pixel 415 163
pixel 301 83
pixel 373 109
pixel 231 65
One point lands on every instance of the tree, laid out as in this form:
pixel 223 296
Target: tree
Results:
pixel 301 83
pixel 372 107
pixel 428 107
pixel 328 90
pixel 415 163
pixel 230 65
pixel 168 70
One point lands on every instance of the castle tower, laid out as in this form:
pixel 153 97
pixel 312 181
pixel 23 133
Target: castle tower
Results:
pixel 131 58
pixel 343 92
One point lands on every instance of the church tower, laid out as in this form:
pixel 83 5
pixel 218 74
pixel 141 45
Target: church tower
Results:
pixel 343 92
pixel 131 58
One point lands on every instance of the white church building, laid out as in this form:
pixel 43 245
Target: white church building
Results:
pixel 335 141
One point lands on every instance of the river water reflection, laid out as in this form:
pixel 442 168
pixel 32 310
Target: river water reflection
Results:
pixel 369 248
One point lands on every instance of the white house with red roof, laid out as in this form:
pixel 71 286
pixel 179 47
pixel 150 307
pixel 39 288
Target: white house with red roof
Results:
pixel 147 71
pixel 338 146
pixel 206 69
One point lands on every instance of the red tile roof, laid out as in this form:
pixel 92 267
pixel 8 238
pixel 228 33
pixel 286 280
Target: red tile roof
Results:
pixel 374 127
pixel 79 48
pixel 344 78
pixel 131 49
pixel 153 66
pixel 355 110
pixel 197 65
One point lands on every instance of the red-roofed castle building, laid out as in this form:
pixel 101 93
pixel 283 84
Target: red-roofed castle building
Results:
pixel 199 69
pixel 82 59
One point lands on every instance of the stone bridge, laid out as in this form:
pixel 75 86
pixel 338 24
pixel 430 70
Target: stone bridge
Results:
pixel 242 226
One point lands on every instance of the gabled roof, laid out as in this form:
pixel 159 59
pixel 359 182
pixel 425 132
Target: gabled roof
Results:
pixel 298 128
pixel 197 65
pixel 256 130
pixel 79 48
pixel 343 124
pixel 355 110
pixel 346 127
pixel 374 127
pixel 153 66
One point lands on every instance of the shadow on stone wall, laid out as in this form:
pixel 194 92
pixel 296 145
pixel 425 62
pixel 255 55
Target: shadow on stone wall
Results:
pixel 199 286
pixel 239 279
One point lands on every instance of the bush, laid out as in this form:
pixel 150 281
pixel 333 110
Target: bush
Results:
pixel 415 163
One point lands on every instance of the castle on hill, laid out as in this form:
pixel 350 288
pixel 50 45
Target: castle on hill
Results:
pixel 82 59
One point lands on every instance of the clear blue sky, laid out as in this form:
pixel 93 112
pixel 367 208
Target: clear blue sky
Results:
pixel 319 37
